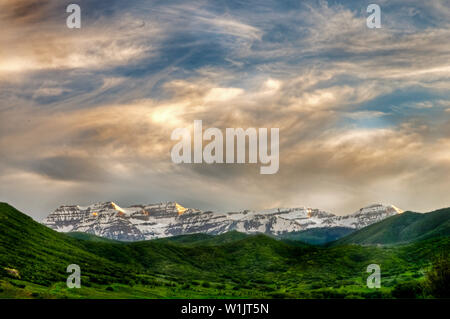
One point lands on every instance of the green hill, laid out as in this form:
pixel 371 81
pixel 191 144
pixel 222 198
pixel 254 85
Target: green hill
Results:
pixel 204 239
pixel 41 255
pixel 34 258
pixel 91 237
pixel 402 228
pixel 318 236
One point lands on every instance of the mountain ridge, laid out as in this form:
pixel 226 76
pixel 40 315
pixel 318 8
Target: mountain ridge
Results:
pixel 142 222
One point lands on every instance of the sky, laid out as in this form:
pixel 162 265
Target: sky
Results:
pixel 86 114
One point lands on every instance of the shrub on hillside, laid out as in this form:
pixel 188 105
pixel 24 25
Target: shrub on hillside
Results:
pixel 437 281
pixel 408 289
pixel 206 284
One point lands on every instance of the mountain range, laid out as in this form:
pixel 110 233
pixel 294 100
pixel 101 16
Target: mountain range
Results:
pixel 34 258
pixel 143 222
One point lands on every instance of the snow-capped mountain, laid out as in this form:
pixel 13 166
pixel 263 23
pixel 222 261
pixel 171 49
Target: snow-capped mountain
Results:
pixel 139 222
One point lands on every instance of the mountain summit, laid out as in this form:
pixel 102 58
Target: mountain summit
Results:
pixel 142 222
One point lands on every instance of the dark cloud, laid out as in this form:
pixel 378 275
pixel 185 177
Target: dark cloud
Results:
pixel 70 168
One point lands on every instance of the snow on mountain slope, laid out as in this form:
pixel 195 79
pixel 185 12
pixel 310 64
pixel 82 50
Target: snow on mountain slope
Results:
pixel 139 222
pixel 368 215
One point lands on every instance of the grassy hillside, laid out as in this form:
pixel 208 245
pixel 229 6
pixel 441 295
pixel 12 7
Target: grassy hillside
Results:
pixel 318 236
pixel 33 261
pixel 403 228
pixel 204 239
pixel 91 237
pixel 42 255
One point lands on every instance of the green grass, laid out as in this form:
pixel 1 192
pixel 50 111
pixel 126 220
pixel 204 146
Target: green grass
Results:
pixel 231 265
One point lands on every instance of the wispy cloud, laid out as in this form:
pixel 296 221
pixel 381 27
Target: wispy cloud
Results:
pixel 87 114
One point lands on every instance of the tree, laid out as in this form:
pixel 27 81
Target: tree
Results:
pixel 437 281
